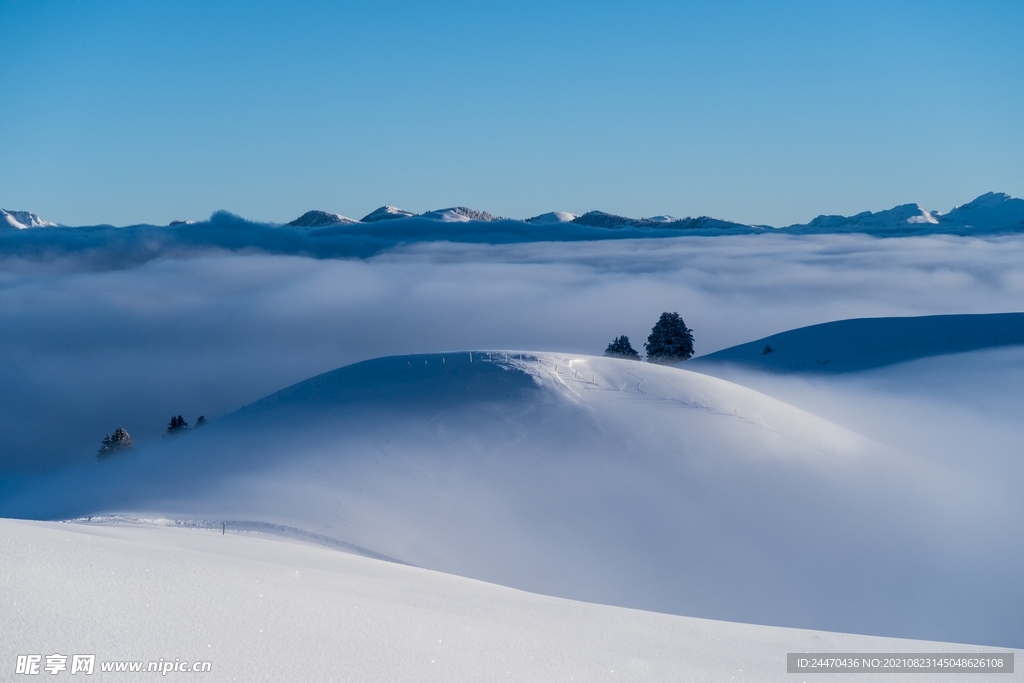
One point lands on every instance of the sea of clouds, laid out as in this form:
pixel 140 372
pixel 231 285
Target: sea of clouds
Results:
pixel 96 333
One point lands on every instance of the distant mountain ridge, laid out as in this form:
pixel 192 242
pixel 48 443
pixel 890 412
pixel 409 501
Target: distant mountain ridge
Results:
pixel 600 219
pixel 905 214
pixel 990 213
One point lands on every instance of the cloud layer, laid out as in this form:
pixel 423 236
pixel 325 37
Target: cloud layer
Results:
pixel 92 338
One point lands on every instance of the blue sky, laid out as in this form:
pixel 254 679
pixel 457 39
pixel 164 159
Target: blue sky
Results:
pixel 126 112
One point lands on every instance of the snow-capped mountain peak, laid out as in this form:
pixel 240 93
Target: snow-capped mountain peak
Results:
pixel 317 219
pixel 19 220
pixel 385 213
pixel 460 214
pixel 992 210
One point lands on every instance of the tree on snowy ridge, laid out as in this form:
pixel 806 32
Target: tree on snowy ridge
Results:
pixel 621 348
pixel 670 340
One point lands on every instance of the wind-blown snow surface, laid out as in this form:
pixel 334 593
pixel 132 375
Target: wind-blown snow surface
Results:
pixel 262 609
pixel 596 479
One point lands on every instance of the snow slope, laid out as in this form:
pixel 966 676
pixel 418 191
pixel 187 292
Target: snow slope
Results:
pixel 595 479
pixel 859 344
pixel 262 609
pixel 961 411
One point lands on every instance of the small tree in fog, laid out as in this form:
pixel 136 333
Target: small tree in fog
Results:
pixel 670 340
pixel 120 440
pixel 621 348
pixel 200 421
pixel 176 425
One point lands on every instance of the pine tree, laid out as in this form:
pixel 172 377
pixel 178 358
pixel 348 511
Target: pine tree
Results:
pixel 177 424
pixel 670 340
pixel 621 348
pixel 200 421
pixel 120 440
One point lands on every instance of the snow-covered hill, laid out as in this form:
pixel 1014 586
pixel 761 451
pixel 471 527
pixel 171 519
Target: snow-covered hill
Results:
pixel 385 213
pixel 589 478
pixel 319 219
pixel 851 345
pixel 552 217
pixel 19 220
pixel 454 214
pixel 459 214
pixel 263 609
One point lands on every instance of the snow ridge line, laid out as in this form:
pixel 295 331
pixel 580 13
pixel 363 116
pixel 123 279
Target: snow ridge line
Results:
pixel 700 404
pixel 239 525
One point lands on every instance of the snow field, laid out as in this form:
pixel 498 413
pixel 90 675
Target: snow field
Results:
pixel 262 609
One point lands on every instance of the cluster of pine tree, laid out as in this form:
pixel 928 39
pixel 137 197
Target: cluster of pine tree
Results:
pixel 120 440
pixel 178 425
pixel 670 341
